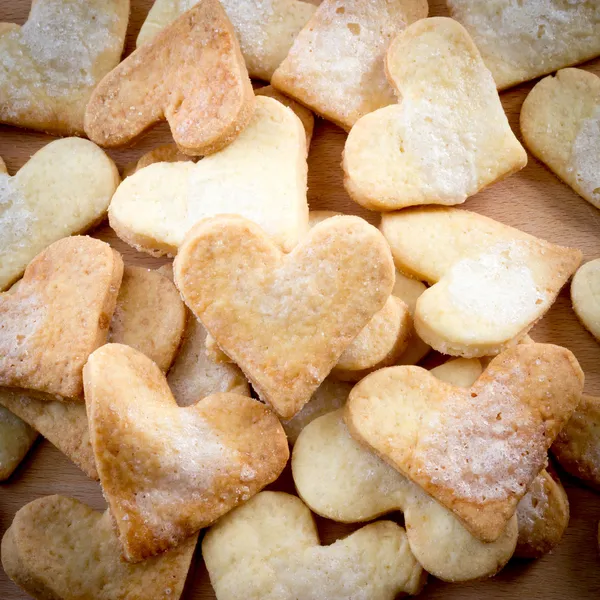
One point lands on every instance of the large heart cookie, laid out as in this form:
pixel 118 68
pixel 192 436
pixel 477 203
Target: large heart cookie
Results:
pixel 284 319
pixel 446 140
pixel 264 28
pixel 492 282
pixel 521 40
pixel 335 65
pixel 192 74
pixel 270 548
pixel 560 122
pixel 58 316
pixel 50 66
pixel 474 450
pixel 168 471
pixel 261 176
pixel 58 548
pixel 63 189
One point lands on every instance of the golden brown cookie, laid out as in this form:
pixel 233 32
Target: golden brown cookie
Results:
pixel 16 437
pixel 163 153
pixel 192 74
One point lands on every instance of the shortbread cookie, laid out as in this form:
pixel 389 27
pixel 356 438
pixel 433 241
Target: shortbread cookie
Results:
pixel 50 66
pixel 167 471
pixel 585 295
pixel 335 65
pixel 463 372
pixel 269 550
pixel 543 516
pixel 58 316
pixel 192 74
pixel 447 139
pixel 59 548
pixel 340 479
pixel 523 40
pixel 492 282
pixel 477 449
pixel 63 189
pixel 560 122
pixel 150 316
pixel 264 28
pixel 577 447
pixel 16 437
pixel 261 176
pixel 284 319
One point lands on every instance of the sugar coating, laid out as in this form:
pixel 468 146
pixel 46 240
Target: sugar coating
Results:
pixel 482 454
pixel 585 156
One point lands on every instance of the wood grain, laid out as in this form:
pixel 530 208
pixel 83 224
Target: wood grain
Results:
pixel 533 200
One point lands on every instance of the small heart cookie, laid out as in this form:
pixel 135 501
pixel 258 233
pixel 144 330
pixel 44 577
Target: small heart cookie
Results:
pixel 335 65
pixel 284 319
pixel 65 188
pixel 50 66
pixel 59 548
pixel 261 176
pixel 560 122
pixel 16 437
pixel 474 450
pixel 192 74
pixel 167 471
pixel 265 29
pixel 58 316
pixel 270 548
pixel 446 140
pixel 492 282
pixel 585 295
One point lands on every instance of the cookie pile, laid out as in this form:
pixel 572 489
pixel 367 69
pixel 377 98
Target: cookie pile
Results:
pixel 183 389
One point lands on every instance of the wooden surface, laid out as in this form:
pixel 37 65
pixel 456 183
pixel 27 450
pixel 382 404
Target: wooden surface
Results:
pixel 533 200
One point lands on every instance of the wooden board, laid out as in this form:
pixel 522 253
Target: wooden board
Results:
pixel 533 200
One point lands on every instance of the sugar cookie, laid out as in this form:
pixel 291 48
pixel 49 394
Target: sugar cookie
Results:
pixel 492 282
pixel 284 319
pixel 50 66
pixel 447 139
pixel 585 295
pixel 269 549
pixel 16 437
pixel 192 74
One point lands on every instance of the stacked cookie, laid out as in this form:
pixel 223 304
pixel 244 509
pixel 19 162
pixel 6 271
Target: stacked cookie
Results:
pixel 182 389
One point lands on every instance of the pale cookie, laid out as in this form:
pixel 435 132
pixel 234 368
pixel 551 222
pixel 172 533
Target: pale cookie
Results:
pixel 65 188
pixel 335 65
pixel 16 437
pixel 166 471
pixel 58 316
pixel 577 447
pixel 560 122
pixel 269 549
pixel 543 516
pixel 164 153
pixel 447 139
pixel 50 66
pixel 194 375
pixel 261 176
pixel 523 40
pixel 492 282
pixel 285 320
pixel 264 28
pixel 58 548
pixel 585 295
pixel 477 449
pixel 340 479
pixel 150 316
pixel 192 75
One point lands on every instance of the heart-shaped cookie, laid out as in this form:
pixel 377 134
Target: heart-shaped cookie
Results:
pixel 192 74
pixel 449 137
pixel 58 316
pixel 60 548
pixel 474 450
pixel 261 176
pixel 585 295
pixel 284 319
pixel 50 66
pixel 168 471
pixel 270 548
pixel 63 189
